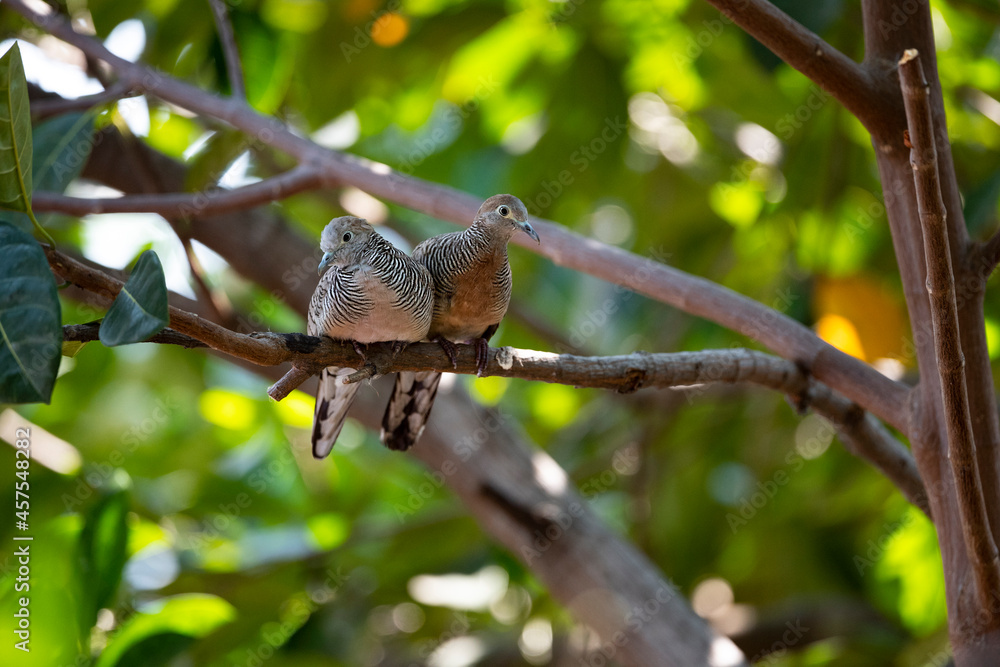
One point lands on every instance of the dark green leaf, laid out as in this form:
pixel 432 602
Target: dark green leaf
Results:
pixel 103 543
pixel 166 630
pixel 140 309
pixel 30 329
pixel 62 145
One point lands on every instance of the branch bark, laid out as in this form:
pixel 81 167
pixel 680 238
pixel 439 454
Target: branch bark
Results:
pixel 46 108
pixel 186 205
pixel 950 367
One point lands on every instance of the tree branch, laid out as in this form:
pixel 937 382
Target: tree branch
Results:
pixel 979 540
pixel 863 435
pixel 229 48
pixel 89 332
pixel 837 74
pixel 184 205
pixel 849 376
pixel 45 108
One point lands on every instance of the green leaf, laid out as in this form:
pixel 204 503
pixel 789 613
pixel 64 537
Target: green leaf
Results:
pixel 140 309
pixel 152 637
pixel 102 553
pixel 15 138
pixel 62 145
pixel 30 320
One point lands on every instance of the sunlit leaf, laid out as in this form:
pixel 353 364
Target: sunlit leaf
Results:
pixel 15 138
pixel 164 628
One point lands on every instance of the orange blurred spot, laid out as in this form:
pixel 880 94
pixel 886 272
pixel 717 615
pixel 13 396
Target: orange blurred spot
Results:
pixel 841 333
pixel 390 29
pixel 873 309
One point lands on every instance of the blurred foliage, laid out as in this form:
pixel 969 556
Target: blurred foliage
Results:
pixel 180 520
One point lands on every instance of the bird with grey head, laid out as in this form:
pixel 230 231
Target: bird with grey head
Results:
pixel 369 291
pixel 472 287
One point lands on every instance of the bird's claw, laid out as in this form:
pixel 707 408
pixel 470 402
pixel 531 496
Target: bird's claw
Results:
pixel 482 356
pixel 450 349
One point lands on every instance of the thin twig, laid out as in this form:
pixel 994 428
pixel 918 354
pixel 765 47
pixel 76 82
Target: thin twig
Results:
pixel 979 542
pixel 179 205
pixel 624 373
pixel 46 108
pixel 216 300
pixel 229 48
pixel 86 333
pixel 847 375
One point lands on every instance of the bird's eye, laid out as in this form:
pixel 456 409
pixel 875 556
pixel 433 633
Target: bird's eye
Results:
pixel 503 211
pixel 347 236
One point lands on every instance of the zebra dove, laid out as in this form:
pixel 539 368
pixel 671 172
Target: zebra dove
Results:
pixel 472 285
pixel 368 292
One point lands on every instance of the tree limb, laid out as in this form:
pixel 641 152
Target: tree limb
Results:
pixel 849 376
pixel 626 373
pixel 182 205
pixel 229 48
pixel 979 539
pixel 801 48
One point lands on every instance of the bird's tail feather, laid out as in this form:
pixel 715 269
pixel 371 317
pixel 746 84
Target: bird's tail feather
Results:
pixel 409 407
pixel 333 399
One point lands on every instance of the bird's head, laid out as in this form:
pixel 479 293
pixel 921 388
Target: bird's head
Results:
pixel 341 239
pixel 507 214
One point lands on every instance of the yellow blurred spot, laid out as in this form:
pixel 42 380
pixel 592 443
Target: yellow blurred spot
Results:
pixel 328 530
pixel 554 405
pixel 390 29
pixel 874 311
pixel 296 409
pixel 227 409
pixel 301 16
pixel 739 204
pixel 993 337
pixel 841 333
pixel 489 390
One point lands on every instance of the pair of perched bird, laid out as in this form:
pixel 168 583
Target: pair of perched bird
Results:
pixel 454 289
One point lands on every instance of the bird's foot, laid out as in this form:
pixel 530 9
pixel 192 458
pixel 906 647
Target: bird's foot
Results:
pixel 361 349
pixel 449 348
pixel 398 346
pixel 482 356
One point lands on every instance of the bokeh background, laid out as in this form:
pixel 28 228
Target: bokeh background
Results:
pixel 178 517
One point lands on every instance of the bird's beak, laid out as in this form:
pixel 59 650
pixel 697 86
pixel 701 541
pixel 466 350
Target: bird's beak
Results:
pixel 325 262
pixel 529 230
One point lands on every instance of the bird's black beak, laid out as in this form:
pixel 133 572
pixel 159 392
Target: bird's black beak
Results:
pixel 529 230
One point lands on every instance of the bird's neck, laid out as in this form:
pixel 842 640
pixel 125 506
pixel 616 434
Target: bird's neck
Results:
pixel 486 238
